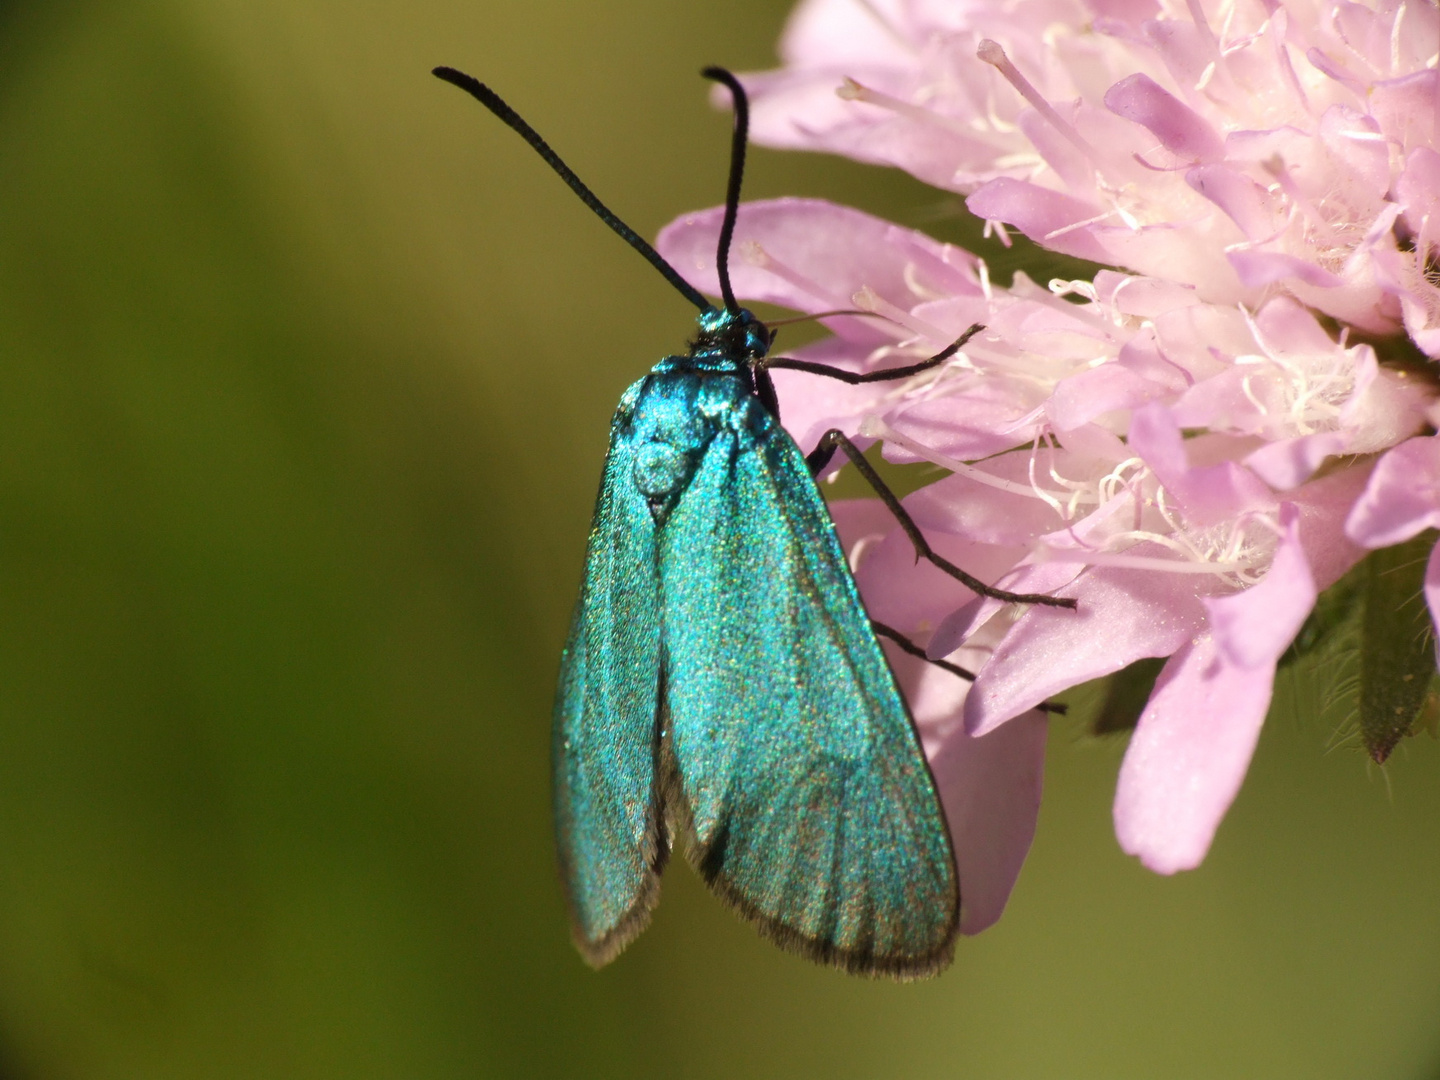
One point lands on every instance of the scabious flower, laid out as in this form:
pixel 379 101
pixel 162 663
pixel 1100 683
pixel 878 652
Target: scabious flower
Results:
pixel 1186 445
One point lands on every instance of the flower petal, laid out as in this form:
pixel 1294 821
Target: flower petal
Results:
pixel 1289 463
pixel 1253 627
pixel 1432 594
pixel 1188 756
pixel 1179 128
pixel 1207 494
pixel 1123 616
pixel 812 255
pixel 1194 741
pixel 1041 214
pixel 1402 498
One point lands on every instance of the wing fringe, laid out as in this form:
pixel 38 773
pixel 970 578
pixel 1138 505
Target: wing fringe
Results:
pixel 707 859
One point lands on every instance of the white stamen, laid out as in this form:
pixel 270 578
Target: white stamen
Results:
pixel 997 228
pixel 1062 288
pixel 1139 562
pixel 999 125
pixel 850 90
pixel 1115 480
pixel 1074 225
pixel 1395 38
pixel 1053 502
pixel 872 427
pixel 867 299
pixel 919 288
pixel 754 255
pixel 991 53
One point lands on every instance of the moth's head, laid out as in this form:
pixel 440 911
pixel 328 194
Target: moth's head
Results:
pixel 729 340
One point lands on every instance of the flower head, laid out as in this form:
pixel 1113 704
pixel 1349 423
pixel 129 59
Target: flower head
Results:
pixel 1178 444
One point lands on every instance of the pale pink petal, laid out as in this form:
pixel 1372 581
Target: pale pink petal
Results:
pixel 860 521
pixel 812 404
pixel 812 255
pixel 1188 756
pixel 991 789
pixel 1221 403
pixel 1145 297
pixel 1243 200
pixel 989 420
pixel 1088 394
pixel 914 595
pixel 1042 214
pixel 1288 329
pixel 1123 616
pixel 1194 741
pixel 1179 128
pixel 843 33
pixel 1289 463
pixel 1418 189
pixel 1253 627
pixel 960 625
pixel 1352 140
pixel 1406 107
pixel 1207 494
pixel 1185 50
pixel 1142 355
pixel 1257 269
pixel 1324 505
pixel 1402 498
pixel 1095 443
pixel 963 506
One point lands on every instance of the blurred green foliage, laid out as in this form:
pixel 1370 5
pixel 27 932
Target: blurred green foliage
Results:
pixel 305 373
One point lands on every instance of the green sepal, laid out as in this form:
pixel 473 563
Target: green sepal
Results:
pixel 1334 622
pixel 1397 652
pixel 1369 647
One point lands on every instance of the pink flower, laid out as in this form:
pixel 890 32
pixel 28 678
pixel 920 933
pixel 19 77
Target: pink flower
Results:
pixel 1172 546
pixel 1189 446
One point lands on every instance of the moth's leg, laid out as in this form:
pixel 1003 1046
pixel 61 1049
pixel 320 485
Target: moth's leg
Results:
pixel 889 374
pixel 835 439
pixel 906 645
pixel 819 458
pixel 765 390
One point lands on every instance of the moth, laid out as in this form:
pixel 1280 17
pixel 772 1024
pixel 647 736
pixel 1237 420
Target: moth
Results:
pixel 722 683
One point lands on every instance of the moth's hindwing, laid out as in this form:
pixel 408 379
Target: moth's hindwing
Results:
pixel 811 807
pixel 609 821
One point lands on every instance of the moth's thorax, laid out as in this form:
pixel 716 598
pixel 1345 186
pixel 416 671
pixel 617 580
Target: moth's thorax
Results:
pixel 727 343
pixel 669 419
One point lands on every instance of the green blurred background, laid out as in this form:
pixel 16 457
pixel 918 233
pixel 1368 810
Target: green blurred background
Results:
pixel 305 371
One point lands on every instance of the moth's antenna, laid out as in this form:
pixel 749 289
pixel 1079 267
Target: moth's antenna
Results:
pixel 737 174
pixel 496 104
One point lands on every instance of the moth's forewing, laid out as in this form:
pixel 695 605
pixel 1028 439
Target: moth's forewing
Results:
pixel 812 807
pixel 608 817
